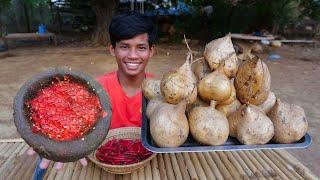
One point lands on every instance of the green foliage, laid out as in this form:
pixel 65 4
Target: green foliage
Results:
pixel 239 16
pixel 284 12
pixel 38 12
pixel 242 16
pixel 4 4
pixel 35 3
pixel 311 8
pixel 22 15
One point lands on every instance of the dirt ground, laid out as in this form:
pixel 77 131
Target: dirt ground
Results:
pixel 295 79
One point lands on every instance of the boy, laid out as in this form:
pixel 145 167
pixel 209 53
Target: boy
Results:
pixel 132 38
pixel 132 43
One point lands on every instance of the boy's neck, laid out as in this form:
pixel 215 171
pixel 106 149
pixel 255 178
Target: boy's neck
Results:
pixel 131 85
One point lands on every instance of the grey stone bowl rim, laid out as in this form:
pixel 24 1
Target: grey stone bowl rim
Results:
pixel 61 151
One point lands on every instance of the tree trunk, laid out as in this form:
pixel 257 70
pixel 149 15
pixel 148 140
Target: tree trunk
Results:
pixel 19 17
pixel 229 21
pixel 25 9
pixel 104 10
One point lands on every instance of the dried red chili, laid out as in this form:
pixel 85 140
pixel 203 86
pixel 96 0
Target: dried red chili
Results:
pixel 122 152
pixel 64 111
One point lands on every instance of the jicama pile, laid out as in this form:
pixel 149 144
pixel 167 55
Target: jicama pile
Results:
pixel 215 97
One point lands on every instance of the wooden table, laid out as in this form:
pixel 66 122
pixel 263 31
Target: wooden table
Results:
pixel 259 164
pixel 251 37
pixel 30 36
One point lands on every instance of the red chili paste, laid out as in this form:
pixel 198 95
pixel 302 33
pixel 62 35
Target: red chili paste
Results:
pixel 64 111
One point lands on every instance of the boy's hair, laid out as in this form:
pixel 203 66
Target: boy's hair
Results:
pixel 130 24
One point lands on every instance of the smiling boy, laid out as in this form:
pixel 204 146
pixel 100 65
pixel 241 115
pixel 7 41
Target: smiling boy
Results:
pixel 132 38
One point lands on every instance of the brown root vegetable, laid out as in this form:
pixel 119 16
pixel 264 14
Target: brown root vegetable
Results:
pixel 201 69
pixel 152 105
pixel 269 103
pixel 233 120
pixel 220 52
pixel 254 127
pixel 193 96
pixel 245 56
pixel 253 82
pixel 289 122
pixel 215 86
pixel 229 108
pixel 178 84
pixel 230 66
pixel 232 97
pixel 208 126
pixel 169 126
pixel 151 88
pixel 196 103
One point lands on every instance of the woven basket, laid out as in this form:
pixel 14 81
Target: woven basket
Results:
pixel 121 133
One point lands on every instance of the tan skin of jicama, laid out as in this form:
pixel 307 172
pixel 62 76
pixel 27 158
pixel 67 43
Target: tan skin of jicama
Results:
pixel 132 57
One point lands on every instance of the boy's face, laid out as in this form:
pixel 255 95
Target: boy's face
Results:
pixel 133 54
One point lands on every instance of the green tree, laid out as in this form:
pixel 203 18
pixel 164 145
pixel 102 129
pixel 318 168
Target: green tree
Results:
pixel 284 12
pixel 4 4
pixel 311 8
pixel 104 10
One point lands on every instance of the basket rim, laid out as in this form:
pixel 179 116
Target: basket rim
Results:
pixel 111 134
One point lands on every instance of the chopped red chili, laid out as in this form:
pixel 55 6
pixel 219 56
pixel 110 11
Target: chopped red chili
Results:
pixel 64 111
pixel 122 152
